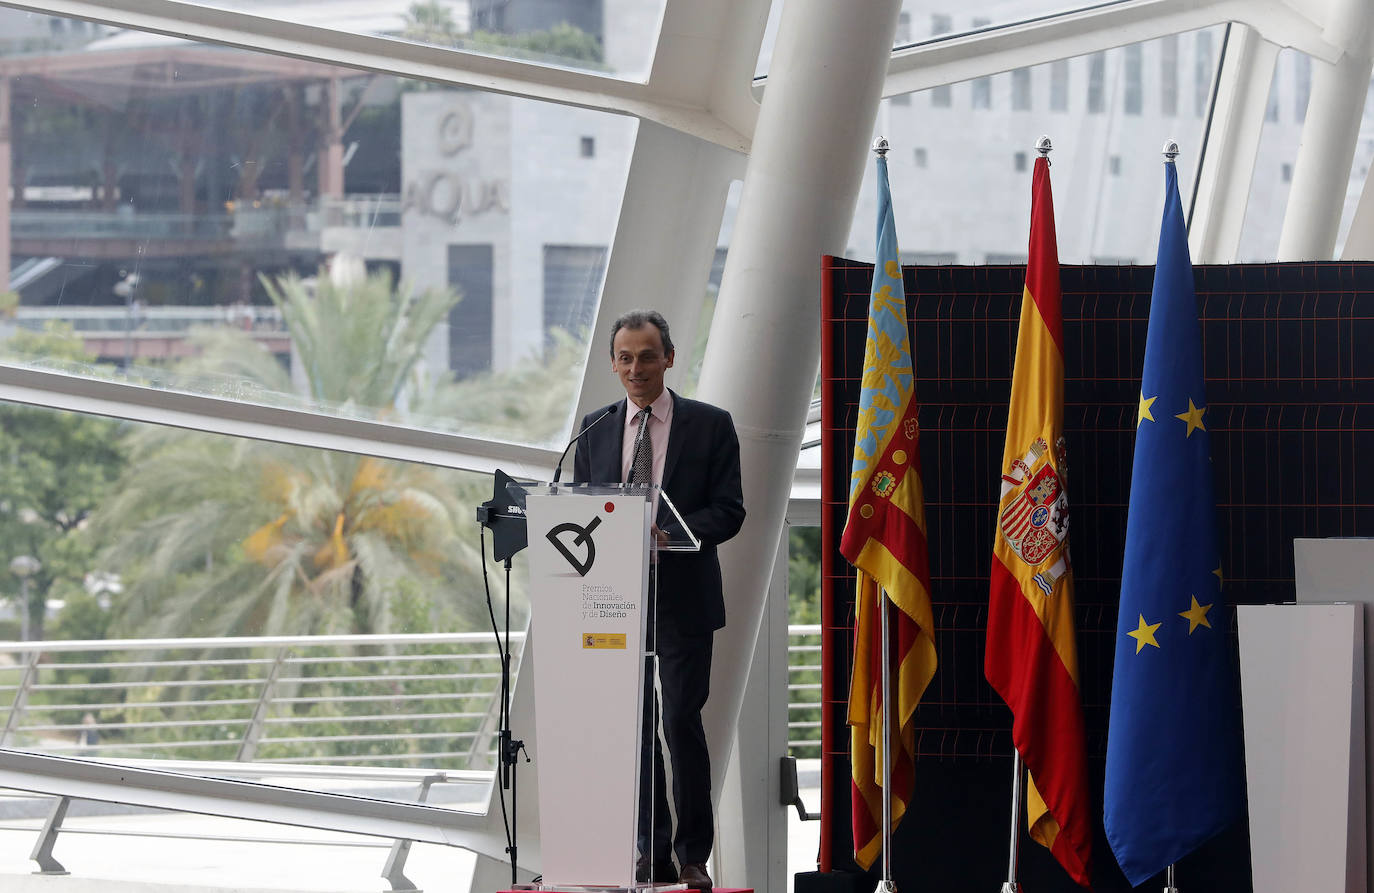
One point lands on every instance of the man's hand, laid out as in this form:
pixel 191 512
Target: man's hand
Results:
pixel 660 537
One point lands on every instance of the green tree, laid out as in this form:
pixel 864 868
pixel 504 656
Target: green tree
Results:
pixel 535 399
pixel 562 43
pixel 228 536
pixel 804 575
pixel 431 22
pixel 55 469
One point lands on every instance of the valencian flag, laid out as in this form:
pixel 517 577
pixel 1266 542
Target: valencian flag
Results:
pixel 1032 655
pixel 1174 771
pixel 885 538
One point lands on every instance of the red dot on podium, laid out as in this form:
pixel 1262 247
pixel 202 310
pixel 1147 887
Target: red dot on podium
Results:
pixel 610 507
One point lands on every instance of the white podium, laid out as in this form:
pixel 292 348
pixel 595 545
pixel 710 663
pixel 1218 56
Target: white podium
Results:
pixel 1302 690
pixel 1304 680
pixel 590 551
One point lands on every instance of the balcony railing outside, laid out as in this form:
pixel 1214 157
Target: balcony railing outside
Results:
pixel 119 224
pixel 251 223
pixel 119 318
pixel 398 700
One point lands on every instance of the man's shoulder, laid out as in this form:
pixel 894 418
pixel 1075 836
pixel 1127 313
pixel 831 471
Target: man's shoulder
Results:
pixel 697 408
pixel 600 411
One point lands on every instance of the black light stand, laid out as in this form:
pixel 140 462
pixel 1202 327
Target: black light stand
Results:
pixel 504 514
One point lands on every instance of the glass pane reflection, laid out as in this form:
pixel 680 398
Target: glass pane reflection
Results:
pixel 175 204
pixel 1107 113
pixel 614 37
pixel 136 532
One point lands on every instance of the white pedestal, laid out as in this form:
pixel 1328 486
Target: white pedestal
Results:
pixel 586 600
pixel 1302 688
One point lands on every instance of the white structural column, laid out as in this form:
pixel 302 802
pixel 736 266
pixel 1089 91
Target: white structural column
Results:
pixel 752 847
pixel 809 152
pixel 1359 242
pixel 1224 181
pixel 664 243
pixel 1322 172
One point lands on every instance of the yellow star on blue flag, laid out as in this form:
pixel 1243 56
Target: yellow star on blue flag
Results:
pixel 1174 768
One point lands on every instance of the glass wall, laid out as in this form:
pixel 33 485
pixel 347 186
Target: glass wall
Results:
pixel 614 37
pixel 299 234
pixel 122 533
pixel 924 20
pixel 1359 170
pixel 1278 152
pixel 961 155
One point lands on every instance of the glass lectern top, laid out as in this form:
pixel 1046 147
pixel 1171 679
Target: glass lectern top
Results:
pixel 675 535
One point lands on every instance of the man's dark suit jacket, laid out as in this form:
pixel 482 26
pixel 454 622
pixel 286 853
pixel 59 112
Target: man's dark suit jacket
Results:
pixel 701 477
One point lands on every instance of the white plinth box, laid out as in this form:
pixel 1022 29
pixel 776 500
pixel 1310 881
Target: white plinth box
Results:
pixel 590 628
pixel 1302 689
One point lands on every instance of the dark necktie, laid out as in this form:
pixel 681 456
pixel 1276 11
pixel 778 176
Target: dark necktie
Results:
pixel 642 465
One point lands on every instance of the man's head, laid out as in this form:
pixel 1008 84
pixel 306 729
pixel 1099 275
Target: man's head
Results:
pixel 641 351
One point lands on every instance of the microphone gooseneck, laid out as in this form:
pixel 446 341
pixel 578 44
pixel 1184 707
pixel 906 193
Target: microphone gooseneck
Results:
pixel 558 469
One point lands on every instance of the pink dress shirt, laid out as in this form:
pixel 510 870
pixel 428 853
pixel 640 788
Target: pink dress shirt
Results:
pixel 659 424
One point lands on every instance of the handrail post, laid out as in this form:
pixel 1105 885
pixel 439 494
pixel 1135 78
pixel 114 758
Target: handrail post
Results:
pixel 47 838
pixel 248 748
pixel 21 698
pixel 393 872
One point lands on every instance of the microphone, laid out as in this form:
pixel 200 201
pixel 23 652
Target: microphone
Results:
pixel 558 469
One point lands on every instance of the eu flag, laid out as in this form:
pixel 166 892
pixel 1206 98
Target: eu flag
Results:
pixel 1174 771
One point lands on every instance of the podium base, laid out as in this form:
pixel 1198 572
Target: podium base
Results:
pixel 637 888
pixel 589 888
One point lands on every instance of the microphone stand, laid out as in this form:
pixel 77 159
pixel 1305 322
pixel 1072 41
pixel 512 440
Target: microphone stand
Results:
pixel 506 541
pixel 510 747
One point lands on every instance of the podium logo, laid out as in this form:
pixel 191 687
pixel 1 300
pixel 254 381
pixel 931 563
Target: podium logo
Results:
pixel 570 536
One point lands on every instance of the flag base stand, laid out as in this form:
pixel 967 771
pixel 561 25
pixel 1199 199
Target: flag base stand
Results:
pixel 1011 887
pixel 885 886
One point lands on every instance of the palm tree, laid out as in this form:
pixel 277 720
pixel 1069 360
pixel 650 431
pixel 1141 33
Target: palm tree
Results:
pixel 222 536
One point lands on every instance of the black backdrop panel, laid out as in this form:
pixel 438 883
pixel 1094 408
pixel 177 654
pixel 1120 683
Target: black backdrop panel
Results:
pixel 1289 357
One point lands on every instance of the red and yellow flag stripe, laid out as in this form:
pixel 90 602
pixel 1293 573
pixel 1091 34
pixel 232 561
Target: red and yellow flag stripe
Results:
pixel 885 539
pixel 1032 656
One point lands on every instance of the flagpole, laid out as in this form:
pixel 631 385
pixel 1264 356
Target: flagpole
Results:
pixel 1011 886
pixel 885 885
pixel 1169 873
pixel 1043 147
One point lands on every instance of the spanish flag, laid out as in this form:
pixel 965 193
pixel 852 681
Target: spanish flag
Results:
pixel 885 538
pixel 1032 656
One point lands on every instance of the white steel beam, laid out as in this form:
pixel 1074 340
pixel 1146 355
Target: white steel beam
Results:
pixel 707 50
pixel 366 52
pixel 233 798
pixel 1359 242
pixel 1321 174
pixel 798 199
pixel 1223 189
pixel 664 244
pixel 218 415
pixel 954 59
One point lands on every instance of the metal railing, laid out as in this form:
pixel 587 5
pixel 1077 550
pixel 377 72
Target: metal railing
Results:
pixel 245 221
pixel 357 700
pixel 120 318
pixel 390 700
pixel 123 223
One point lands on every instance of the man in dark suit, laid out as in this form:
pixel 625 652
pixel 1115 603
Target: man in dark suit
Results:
pixel 690 449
